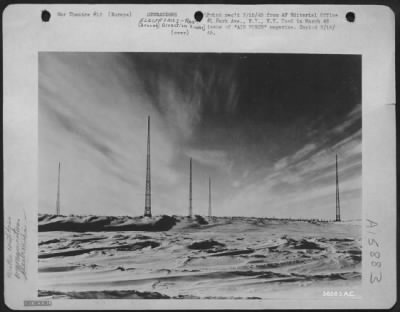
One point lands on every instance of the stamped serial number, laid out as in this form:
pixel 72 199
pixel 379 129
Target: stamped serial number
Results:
pixel 338 293
pixel 374 255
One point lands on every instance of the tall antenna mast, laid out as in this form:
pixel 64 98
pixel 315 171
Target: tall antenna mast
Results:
pixel 209 197
pixel 147 204
pixel 58 190
pixel 337 193
pixel 190 190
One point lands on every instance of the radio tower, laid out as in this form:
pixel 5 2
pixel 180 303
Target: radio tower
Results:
pixel 147 204
pixel 58 191
pixel 337 193
pixel 190 190
pixel 209 197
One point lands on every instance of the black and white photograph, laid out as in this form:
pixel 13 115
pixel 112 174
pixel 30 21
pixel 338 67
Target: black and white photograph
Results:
pixel 176 175
pixel 212 156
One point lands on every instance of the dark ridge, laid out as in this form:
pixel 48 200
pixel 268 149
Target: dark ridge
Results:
pixel 207 244
pixel 354 251
pixel 91 225
pixel 97 224
pixel 216 250
pixel 139 236
pixel 58 269
pixel 105 294
pixel 250 273
pixel 329 277
pixel 51 241
pixel 200 220
pixel 272 275
pixel 120 236
pixel 128 247
pixel 303 244
pixel 84 240
pixel 138 245
pixel 47 217
pixel 233 253
pixel 186 297
pixel 123 294
pixel 354 258
pixel 341 240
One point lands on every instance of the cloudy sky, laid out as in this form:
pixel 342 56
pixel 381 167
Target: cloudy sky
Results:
pixel 265 128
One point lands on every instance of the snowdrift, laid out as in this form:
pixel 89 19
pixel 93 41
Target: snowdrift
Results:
pixel 75 223
pixel 197 257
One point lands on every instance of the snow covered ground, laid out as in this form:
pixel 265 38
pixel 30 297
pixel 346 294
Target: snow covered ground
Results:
pixel 196 258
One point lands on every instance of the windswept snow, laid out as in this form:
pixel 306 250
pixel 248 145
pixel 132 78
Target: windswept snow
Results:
pixel 195 258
